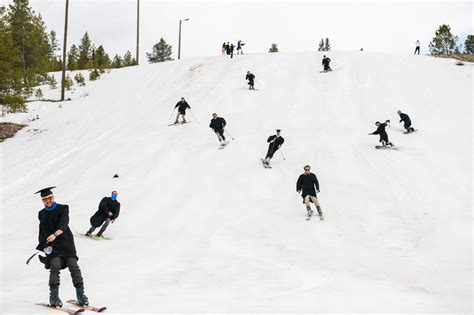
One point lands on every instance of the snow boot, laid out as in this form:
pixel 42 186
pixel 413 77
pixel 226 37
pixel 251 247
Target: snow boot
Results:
pixel 54 299
pixel 320 213
pixel 99 235
pixel 82 299
pixel 310 212
pixel 89 233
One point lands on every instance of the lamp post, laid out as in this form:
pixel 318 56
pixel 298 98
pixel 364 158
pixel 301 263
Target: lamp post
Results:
pixel 63 79
pixel 179 41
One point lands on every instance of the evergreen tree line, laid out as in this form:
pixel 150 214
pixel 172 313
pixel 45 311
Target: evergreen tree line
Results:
pixel 445 43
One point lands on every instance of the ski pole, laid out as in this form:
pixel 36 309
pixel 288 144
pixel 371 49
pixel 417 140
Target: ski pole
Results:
pixel 172 113
pixel 29 259
pixel 228 134
pixel 281 152
pixel 194 116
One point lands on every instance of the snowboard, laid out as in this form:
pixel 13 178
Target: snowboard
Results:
pixel 88 307
pixel 181 123
pixel 265 164
pixel 62 309
pixel 324 71
pixel 381 147
pixel 407 132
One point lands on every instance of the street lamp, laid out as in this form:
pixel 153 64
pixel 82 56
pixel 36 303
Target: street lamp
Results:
pixel 179 41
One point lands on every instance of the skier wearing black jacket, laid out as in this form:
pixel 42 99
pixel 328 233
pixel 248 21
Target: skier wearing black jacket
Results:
pixel 108 212
pixel 251 79
pixel 57 242
pixel 217 125
pixel 406 121
pixel 308 185
pixel 274 143
pixel 181 105
pixel 382 133
pixel 325 63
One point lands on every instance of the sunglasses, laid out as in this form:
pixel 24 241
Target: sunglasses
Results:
pixel 306 169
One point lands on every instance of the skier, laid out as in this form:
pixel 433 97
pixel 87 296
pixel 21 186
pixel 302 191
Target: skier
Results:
pixel 251 79
pixel 181 105
pixel 325 63
pixel 239 47
pixel 218 124
pixel 417 45
pixel 223 49
pixel 406 121
pixel 231 49
pixel 227 48
pixel 306 186
pixel 108 212
pixel 382 133
pixel 274 143
pixel 57 242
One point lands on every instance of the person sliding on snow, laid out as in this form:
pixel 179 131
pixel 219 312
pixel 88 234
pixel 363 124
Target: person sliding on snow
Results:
pixel 231 49
pixel 406 121
pixel 274 143
pixel 251 79
pixel 239 47
pixel 306 186
pixel 57 242
pixel 382 133
pixel 181 105
pixel 109 209
pixel 325 63
pixel 218 124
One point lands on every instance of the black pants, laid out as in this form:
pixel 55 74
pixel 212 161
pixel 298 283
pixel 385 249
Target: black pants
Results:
pixel 407 126
pixel 74 269
pixel 270 153
pixel 417 49
pixel 251 83
pixel 220 132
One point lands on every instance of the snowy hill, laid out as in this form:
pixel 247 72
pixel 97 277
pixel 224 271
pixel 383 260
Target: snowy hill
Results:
pixel 207 230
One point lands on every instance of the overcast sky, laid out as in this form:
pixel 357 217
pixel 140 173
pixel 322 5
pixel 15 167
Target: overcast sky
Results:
pixel 376 26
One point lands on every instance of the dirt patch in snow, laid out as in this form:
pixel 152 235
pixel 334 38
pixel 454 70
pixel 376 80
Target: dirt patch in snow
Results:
pixel 8 130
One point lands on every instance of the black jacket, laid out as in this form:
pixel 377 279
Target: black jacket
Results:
pixel 326 62
pixel 274 142
pixel 381 132
pixel 106 205
pixel 50 222
pixel 306 184
pixel 405 118
pixel 217 123
pixel 182 107
pixel 250 77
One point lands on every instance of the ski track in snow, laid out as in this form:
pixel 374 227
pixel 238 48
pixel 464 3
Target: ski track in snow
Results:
pixel 206 230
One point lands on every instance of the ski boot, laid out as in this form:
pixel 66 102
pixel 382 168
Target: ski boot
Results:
pixel 82 299
pixel 184 121
pixel 89 233
pixel 320 213
pixel 310 212
pixel 99 235
pixel 54 299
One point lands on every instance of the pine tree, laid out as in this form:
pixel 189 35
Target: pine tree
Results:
pixel 117 62
pixel 469 45
pixel 73 58
pixel 54 45
pixel 161 52
pixel 444 42
pixel 327 45
pixel 101 58
pixel 85 52
pixel 128 60
pixel 273 48
pixel 321 45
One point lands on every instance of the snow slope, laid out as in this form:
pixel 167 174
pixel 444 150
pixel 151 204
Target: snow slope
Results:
pixel 207 230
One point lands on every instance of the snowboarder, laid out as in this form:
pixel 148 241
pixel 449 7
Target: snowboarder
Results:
pixel 308 185
pixel 417 47
pixel 325 63
pixel 181 105
pixel 217 125
pixel 57 242
pixel 274 143
pixel 382 133
pixel 108 212
pixel 239 47
pixel 231 49
pixel 406 121
pixel 251 79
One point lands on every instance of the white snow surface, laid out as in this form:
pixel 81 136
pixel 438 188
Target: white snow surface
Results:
pixel 205 230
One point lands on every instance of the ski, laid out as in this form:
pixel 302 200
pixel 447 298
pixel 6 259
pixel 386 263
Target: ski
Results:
pixel 181 123
pixel 223 145
pixel 94 237
pixel 266 165
pixel 385 147
pixel 87 307
pixel 62 309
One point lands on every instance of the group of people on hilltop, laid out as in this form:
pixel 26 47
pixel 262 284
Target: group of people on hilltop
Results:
pixel 56 240
pixel 228 48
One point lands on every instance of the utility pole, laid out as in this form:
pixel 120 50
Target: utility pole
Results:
pixel 63 80
pixel 138 31
pixel 179 40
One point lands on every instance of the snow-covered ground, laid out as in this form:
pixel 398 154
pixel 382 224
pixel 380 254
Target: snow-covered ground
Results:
pixel 208 230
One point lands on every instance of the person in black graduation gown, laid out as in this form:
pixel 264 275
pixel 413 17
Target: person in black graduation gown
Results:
pixel 108 212
pixel 55 239
pixel 274 143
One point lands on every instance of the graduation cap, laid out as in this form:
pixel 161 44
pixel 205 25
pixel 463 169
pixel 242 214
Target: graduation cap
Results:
pixel 45 192
pixel 278 130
